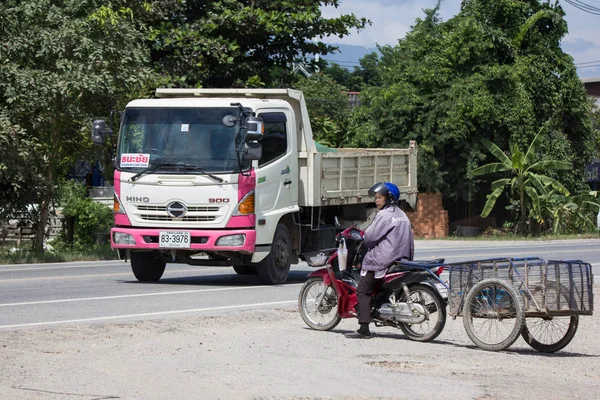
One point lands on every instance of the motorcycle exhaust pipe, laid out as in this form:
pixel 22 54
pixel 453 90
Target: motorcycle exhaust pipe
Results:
pixel 408 313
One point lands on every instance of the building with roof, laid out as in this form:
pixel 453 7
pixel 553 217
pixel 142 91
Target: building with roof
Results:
pixel 592 85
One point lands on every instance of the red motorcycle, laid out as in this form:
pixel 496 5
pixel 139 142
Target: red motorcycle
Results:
pixel 411 296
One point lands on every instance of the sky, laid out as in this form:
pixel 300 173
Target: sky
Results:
pixel 391 19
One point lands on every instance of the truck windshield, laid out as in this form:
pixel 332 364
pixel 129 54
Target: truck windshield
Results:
pixel 188 136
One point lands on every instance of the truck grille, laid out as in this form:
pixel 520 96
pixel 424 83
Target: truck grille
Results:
pixel 194 214
pixel 190 209
pixel 198 218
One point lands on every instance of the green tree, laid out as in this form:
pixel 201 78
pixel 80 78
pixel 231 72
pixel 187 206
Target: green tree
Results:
pixel 527 182
pixel 226 43
pixel 367 74
pixel 495 70
pixel 327 106
pixel 61 65
pixel 21 173
pixel 342 76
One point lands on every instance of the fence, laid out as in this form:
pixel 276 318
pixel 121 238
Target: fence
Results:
pixel 10 231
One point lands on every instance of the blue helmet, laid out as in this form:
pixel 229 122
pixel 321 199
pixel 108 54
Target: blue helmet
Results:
pixel 387 189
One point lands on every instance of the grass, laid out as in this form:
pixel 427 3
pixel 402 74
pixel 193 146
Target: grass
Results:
pixel 510 237
pixel 26 255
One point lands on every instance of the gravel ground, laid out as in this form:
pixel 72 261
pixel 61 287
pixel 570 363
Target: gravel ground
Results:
pixel 271 354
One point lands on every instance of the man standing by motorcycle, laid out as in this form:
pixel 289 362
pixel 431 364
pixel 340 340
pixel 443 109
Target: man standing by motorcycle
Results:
pixel 388 238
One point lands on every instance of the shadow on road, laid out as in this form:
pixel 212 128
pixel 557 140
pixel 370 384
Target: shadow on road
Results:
pixel 227 279
pixel 521 351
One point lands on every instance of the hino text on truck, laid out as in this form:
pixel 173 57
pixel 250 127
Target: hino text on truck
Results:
pixel 233 177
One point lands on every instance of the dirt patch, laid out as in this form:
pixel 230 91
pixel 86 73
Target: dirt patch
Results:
pixel 271 354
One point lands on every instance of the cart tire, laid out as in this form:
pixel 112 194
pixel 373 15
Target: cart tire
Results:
pixel 494 301
pixel 550 334
pixel 325 317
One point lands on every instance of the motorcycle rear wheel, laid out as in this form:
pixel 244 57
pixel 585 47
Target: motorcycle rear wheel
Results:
pixel 323 316
pixel 429 329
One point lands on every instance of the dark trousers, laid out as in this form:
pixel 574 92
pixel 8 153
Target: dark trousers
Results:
pixel 364 290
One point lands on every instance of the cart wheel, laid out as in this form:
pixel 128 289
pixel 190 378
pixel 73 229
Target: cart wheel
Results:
pixel 553 333
pixel 493 314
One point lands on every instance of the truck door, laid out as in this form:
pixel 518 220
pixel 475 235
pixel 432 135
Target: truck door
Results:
pixel 277 173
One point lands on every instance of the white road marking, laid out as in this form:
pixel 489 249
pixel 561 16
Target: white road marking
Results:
pixel 125 296
pixel 153 314
pixel 64 264
pixel 86 266
pixel 49 278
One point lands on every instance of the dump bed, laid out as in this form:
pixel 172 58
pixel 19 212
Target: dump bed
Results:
pixel 344 176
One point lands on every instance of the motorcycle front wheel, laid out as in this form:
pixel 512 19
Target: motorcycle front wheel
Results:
pixel 317 304
pixel 433 325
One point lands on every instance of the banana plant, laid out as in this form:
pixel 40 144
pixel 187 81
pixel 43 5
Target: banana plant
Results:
pixel 571 214
pixel 526 180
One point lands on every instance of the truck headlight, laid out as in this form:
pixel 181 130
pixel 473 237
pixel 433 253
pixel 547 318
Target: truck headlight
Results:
pixel 123 238
pixel 231 240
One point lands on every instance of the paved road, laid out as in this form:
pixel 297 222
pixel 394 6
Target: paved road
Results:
pixel 53 294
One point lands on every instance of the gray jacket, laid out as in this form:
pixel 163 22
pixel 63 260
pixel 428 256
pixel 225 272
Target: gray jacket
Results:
pixel 388 238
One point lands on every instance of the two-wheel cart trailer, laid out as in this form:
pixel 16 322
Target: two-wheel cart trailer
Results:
pixel 500 299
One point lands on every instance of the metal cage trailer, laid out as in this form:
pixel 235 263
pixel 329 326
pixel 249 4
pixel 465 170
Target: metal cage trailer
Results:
pixel 502 298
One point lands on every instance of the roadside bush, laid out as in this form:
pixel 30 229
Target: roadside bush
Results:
pixel 84 218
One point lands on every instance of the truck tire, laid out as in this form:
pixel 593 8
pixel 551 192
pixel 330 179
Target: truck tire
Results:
pixel 245 269
pixel 147 266
pixel 274 269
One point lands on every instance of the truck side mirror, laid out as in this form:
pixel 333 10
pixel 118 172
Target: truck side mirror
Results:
pixel 255 128
pixel 252 151
pixel 99 130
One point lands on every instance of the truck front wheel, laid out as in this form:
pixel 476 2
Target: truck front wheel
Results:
pixel 147 266
pixel 274 269
pixel 245 269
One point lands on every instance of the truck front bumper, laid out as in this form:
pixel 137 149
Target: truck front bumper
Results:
pixel 201 240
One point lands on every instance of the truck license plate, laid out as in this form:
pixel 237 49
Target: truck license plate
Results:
pixel 174 240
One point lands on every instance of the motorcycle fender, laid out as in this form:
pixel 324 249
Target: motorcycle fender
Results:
pixel 322 273
pixel 438 286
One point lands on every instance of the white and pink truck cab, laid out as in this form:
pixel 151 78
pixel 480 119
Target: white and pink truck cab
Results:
pixel 233 177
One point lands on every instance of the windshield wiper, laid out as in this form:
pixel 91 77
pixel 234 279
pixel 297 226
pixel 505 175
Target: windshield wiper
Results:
pixel 186 167
pixel 203 172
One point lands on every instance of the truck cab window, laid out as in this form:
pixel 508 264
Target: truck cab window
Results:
pixel 274 142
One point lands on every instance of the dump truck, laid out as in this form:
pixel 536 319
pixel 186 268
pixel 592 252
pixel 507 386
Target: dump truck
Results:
pixel 233 177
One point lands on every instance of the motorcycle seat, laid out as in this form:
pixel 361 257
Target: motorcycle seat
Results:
pixel 401 266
